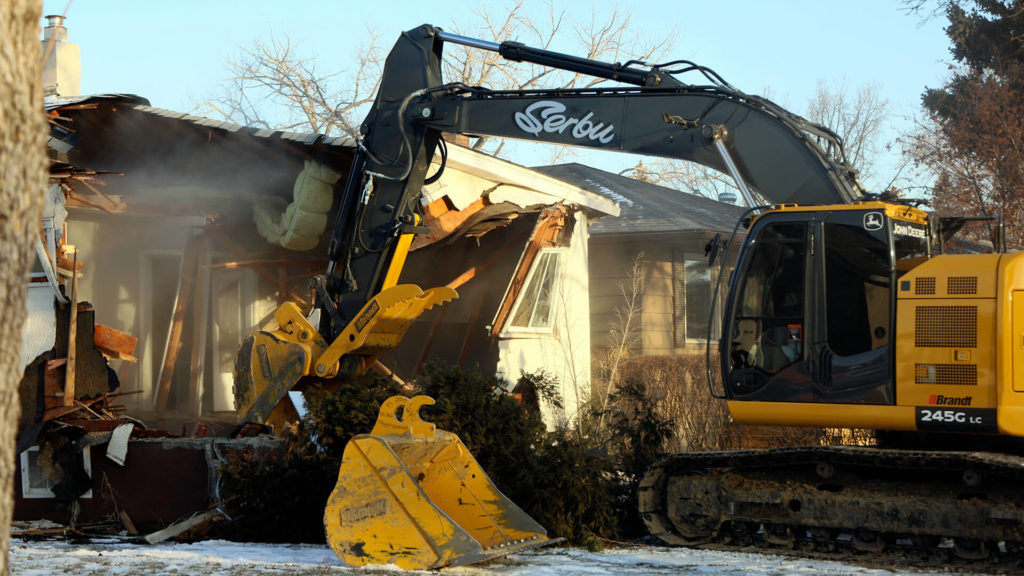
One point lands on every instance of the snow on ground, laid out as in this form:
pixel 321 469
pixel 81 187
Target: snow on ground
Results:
pixel 220 558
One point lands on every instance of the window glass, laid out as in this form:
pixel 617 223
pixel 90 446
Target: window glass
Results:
pixel 697 287
pixel 856 288
pixel 536 305
pixel 767 332
pixel 35 483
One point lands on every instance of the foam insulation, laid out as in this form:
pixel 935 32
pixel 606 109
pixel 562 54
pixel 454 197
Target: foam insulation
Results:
pixel 298 225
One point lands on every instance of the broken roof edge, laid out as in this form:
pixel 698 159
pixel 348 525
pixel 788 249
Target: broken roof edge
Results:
pixel 54 102
pixel 143 105
pixel 504 172
pixel 307 138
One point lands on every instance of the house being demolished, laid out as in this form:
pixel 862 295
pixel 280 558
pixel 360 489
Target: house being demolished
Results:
pixel 168 238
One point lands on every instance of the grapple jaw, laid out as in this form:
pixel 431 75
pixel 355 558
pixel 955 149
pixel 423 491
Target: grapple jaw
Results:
pixel 269 364
pixel 413 496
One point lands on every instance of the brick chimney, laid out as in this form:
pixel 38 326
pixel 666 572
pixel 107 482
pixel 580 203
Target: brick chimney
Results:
pixel 62 65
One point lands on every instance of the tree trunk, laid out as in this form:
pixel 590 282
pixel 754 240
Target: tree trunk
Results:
pixel 23 177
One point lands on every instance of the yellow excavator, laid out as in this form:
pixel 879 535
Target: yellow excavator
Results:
pixel 842 311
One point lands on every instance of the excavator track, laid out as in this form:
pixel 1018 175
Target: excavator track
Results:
pixel 884 502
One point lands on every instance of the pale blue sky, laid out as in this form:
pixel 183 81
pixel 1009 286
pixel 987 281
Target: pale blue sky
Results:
pixel 173 52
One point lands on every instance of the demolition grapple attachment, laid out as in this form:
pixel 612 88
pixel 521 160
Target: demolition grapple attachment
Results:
pixel 411 495
pixel 270 363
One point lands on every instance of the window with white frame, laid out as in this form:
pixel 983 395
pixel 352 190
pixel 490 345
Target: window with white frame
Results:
pixel 535 307
pixel 35 484
pixel 692 287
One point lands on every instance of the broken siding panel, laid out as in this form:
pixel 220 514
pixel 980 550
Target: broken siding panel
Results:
pixel 39 331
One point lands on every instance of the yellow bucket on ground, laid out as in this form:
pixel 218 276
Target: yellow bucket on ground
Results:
pixel 411 495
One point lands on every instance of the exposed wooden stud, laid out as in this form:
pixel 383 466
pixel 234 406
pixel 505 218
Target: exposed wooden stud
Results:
pixel 200 317
pixel 185 288
pixel 472 272
pixel 429 340
pixel 69 374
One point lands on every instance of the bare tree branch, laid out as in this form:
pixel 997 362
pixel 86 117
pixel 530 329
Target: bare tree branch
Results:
pixel 857 120
pixel 273 85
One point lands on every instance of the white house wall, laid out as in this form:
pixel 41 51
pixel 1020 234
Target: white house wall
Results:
pixel 564 353
pixel 39 333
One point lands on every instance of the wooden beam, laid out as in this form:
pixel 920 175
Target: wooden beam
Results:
pixel 114 344
pixel 241 254
pixel 442 220
pixel 200 318
pixel 429 340
pixel 69 374
pixel 185 288
pixel 472 272
pixel 281 263
pixel 386 372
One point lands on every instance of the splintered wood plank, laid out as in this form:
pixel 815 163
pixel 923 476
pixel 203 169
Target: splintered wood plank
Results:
pixel 181 301
pixel 113 343
pixel 443 220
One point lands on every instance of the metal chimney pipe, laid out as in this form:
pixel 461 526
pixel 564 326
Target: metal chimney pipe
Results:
pixel 55 29
pixel 62 64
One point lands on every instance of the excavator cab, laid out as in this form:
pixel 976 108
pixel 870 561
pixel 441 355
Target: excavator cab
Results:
pixel 811 313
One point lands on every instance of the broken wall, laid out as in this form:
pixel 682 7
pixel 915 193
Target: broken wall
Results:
pixel 131 278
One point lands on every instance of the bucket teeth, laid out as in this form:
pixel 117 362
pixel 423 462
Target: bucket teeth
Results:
pixel 411 495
